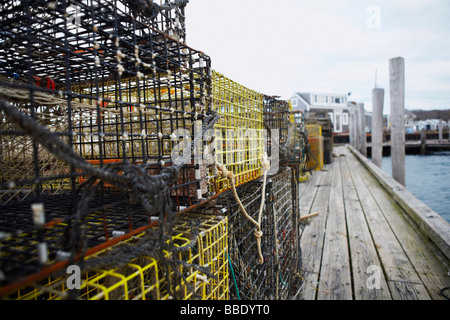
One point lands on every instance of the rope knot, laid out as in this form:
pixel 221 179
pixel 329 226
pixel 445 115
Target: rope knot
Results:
pixel 258 234
pixel 265 163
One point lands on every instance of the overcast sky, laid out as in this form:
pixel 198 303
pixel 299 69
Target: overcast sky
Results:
pixel 278 47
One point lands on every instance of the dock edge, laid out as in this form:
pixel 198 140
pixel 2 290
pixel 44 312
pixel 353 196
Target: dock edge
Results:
pixel 430 223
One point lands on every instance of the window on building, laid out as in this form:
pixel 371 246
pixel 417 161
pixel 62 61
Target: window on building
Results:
pixel 315 98
pixel 295 103
pixel 337 122
pixel 337 100
pixel 345 119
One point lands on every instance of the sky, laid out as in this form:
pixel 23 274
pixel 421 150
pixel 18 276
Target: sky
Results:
pixel 278 47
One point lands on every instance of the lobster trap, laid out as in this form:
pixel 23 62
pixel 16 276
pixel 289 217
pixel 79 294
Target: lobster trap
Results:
pixel 287 133
pixel 98 101
pixel 195 268
pixel 238 135
pixel 278 115
pixel 271 279
pixel 112 87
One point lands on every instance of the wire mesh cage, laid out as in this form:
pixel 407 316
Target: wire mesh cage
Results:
pixel 92 95
pixel 105 117
pixel 165 15
pixel 283 206
pixel 239 134
pixel 152 275
pixel 249 278
pixel 112 87
pixel 277 115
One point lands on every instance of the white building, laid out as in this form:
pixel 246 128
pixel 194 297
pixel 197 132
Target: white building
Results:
pixel 335 104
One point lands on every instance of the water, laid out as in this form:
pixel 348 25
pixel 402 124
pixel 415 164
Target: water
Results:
pixel 428 179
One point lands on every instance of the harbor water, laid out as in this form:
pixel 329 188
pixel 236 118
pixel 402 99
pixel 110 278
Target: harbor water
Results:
pixel 428 179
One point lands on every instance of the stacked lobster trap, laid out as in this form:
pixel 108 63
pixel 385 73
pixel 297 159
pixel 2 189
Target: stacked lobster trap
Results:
pixel 115 140
pixel 262 270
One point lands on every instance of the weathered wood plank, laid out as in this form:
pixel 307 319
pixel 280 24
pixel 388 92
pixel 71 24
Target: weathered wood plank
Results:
pixel 395 262
pixel 335 276
pixel 430 264
pixel 362 250
pixel 307 198
pixel 311 242
pixel 303 187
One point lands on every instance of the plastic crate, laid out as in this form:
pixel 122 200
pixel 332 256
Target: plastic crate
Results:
pixel 316 148
pixel 313 130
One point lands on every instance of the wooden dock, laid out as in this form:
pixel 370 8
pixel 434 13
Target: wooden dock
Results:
pixel 414 146
pixel 366 244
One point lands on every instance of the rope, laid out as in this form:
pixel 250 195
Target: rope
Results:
pixel 231 177
pixel 150 10
pixel 234 277
pixel 312 286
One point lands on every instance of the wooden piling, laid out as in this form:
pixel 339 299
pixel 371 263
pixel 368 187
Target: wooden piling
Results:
pixel 397 94
pixel 423 143
pixel 377 126
pixel 440 130
pixel 351 128
pixel 357 134
pixel 362 129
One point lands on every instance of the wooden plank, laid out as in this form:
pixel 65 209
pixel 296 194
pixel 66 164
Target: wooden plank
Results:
pixel 303 186
pixel 311 242
pixel 430 264
pixel 307 198
pixel 335 277
pixel 395 262
pixel 363 254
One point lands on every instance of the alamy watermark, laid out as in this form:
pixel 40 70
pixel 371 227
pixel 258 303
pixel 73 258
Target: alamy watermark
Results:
pixel 374 280
pixel 373 21
pixel 74 280
pixel 74 16
pixel 238 146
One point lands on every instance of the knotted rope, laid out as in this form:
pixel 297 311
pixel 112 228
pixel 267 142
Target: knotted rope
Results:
pixel 265 164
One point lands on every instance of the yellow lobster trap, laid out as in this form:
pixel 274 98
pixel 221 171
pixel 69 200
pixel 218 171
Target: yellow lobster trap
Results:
pixel 239 133
pixel 145 277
